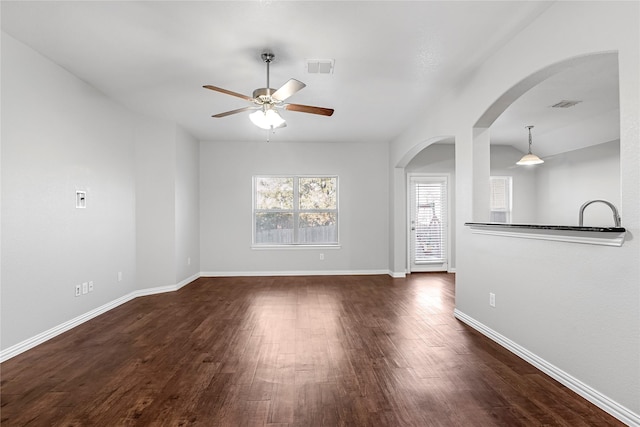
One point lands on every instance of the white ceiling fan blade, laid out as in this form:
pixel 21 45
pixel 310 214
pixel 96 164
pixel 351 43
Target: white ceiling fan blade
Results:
pixel 287 89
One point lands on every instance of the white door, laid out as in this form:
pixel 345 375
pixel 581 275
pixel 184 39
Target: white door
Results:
pixel 428 223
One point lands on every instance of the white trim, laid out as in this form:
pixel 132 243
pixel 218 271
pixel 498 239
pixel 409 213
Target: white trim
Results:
pixel 42 337
pixel 186 281
pixel 571 236
pixel 164 289
pixel 294 273
pixel 598 399
pixel 398 274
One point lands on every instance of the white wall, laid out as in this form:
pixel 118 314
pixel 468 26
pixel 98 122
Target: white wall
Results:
pixel 440 159
pixel 155 149
pixel 578 307
pixel 167 204
pixel 226 171
pixel 187 206
pixel 565 181
pixel 60 135
pixel 142 217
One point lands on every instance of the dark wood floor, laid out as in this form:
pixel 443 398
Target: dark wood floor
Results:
pixel 285 351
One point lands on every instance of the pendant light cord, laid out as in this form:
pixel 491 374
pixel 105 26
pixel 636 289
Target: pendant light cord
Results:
pixel 530 141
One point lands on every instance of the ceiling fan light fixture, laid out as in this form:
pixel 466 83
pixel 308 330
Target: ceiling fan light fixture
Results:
pixel 529 158
pixel 266 119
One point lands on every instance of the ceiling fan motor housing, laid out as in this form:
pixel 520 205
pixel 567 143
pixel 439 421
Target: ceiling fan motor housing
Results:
pixel 263 94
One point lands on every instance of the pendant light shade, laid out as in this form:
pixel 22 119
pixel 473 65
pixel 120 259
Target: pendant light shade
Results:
pixel 266 119
pixel 530 158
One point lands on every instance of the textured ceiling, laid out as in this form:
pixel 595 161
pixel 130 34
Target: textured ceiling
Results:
pixel 392 59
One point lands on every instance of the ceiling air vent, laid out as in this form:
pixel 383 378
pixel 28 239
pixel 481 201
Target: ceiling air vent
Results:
pixel 320 66
pixel 565 104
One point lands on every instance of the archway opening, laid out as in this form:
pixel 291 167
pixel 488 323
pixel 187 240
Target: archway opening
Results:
pixel 574 108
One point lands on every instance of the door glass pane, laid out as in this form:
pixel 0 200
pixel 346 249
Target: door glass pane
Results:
pixel 430 217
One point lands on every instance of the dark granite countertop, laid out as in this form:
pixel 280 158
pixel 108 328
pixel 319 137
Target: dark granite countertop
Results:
pixel 549 227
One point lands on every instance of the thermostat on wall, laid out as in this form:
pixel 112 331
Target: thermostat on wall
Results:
pixel 81 199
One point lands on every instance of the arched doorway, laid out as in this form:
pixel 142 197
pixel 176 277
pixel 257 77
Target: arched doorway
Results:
pixel 574 108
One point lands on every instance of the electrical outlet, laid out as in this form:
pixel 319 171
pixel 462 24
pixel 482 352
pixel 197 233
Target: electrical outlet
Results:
pixel 78 290
pixel 85 288
pixel 91 286
pixel 321 257
pixel 119 276
pixel 189 261
pixel 492 299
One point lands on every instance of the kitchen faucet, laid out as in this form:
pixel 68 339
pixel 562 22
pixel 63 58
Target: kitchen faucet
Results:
pixel 616 216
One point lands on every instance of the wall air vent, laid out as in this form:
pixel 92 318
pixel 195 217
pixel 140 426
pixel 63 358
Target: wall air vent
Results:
pixel 320 66
pixel 565 104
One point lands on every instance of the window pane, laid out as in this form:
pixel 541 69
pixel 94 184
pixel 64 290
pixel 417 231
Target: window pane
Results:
pixel 295 210
pixel 318 227
pixel 274 193
pixel 276 227
pixel 317 193
pixel 500 199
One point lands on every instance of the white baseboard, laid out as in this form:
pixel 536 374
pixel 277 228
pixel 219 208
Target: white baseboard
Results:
pixel 293 273
pixel 398 274
pixel 163 289
pixel 186 281
pixel 601 401
pixel 27 344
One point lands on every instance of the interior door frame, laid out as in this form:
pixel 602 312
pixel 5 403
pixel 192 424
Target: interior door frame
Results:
pixel 411 175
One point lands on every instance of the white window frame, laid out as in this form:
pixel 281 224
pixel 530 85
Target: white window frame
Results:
pixel 508 198
pixel 296 211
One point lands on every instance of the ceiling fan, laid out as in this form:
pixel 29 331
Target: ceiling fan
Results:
pixel 266 101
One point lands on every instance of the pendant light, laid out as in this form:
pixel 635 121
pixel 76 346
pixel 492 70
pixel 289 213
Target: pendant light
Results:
pixel 530 158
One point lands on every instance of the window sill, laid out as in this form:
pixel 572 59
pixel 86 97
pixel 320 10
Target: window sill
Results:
pixel 295 247
pixel 605 236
